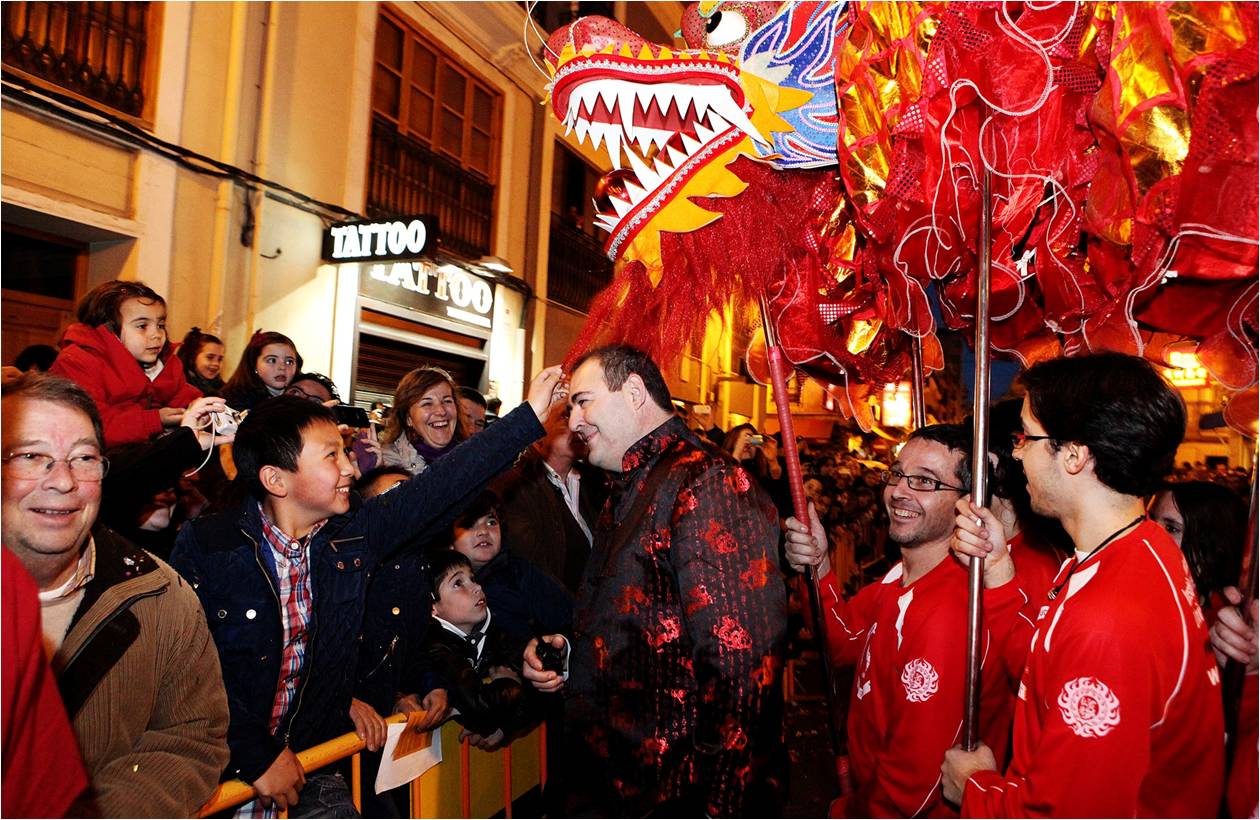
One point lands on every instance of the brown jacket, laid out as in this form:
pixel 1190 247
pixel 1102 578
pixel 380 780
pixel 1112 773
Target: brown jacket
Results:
pixel 141 680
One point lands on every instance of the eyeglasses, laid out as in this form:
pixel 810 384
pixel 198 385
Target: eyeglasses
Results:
pixel 1019 439
pixel 301 394
pixel 35 466
pixel 918 483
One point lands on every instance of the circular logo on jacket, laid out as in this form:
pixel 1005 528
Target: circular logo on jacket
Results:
pixel 920 680
pixel 1089 707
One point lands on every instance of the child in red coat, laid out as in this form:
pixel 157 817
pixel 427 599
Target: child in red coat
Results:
pixel 118 353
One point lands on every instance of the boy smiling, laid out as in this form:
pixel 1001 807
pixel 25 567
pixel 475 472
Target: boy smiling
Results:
pixel 282 577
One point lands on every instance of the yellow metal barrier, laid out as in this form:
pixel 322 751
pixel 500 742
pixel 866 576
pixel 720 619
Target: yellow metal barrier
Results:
pixel 471 784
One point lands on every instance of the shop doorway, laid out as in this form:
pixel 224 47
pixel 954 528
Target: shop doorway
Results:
pixel 383 362
pixel 43 277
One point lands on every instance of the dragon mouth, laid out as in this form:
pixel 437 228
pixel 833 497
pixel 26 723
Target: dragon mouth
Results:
pixel 671 117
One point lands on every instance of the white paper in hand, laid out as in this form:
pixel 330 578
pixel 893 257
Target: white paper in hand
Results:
pixel 407 754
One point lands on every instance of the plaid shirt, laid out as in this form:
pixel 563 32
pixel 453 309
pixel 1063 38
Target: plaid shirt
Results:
pixel 291 568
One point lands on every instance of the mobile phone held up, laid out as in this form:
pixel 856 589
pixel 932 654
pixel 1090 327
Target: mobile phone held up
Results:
pixel 350 415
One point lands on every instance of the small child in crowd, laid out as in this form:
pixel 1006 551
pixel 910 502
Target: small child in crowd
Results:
pixel 118 352
pixel 527 600
pixel 268 365
pixel 477 659
pixel 202 357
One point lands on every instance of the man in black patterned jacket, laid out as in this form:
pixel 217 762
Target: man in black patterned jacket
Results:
pixel 680 618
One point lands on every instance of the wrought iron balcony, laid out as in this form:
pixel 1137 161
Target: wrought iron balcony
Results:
pixel 577 268
pixel 96 50
pixel 405 176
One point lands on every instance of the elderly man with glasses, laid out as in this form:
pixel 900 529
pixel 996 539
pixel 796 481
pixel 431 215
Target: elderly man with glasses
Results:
pixel 126 635
pixel 906 636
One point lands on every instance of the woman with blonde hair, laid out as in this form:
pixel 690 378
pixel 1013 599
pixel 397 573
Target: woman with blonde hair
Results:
pixel 424 423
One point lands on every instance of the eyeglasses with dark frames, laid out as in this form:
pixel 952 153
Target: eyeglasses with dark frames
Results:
pixel 918 483
pixel 1019 439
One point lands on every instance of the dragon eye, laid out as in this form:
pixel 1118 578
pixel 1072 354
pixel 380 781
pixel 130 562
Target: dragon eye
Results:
pixel 725 28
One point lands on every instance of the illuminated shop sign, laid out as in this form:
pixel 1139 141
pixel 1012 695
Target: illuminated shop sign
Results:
pixel 1186 371
pixel 370 241
pixel 446 291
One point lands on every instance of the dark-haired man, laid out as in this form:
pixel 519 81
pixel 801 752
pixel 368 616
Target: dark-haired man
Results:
pixel 1119 710
pixel 126 636
pixel 550 500
pixel 906 636
pixel 472 405
pixel 298 553
pixel 680 618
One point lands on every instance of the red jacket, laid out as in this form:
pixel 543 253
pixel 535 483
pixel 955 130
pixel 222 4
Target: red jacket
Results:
pixel 1241 792
pixel 43 770
pixel 1036 565
pixel 127 401
pixel 909 644
pixel 1119 711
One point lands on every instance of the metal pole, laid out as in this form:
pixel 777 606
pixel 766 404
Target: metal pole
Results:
pixel 918 409
pixel 778 383
pixel 979 471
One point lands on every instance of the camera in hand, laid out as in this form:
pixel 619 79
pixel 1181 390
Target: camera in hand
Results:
pixel 350 415
pixel 552 659
pixel 225 422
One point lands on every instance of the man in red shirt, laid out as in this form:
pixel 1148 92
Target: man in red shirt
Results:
pixel 906 635
pixel 1119 707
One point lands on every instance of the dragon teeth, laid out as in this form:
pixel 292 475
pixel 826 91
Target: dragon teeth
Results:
pixel 636 193
pixel 620 206
pixel 614 145
pixel 734 114
pixel 646 176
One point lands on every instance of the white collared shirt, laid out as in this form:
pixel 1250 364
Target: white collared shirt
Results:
pixel 571 487
pixel 483 627
pixel 58 605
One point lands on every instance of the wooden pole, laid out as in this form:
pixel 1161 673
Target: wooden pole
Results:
pixel 979 471
pixel 918 408
pixel 778 384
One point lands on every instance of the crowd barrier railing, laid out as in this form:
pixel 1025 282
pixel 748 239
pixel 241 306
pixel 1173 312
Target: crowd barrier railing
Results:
pixel 471 784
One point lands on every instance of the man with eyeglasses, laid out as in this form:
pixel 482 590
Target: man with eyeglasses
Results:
pixel 126 636
pixel 906 636
pixel 1119 711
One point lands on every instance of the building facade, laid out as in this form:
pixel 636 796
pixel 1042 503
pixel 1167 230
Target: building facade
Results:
pixel 213 150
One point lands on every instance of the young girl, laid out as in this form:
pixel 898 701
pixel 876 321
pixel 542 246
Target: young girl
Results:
pixel 118 352
pixel 202 357
pixel 267 367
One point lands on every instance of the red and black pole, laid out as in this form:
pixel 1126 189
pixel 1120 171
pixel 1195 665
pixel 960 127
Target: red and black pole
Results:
pixel 778 384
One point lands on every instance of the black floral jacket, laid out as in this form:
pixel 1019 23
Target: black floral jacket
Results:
pixel 679 632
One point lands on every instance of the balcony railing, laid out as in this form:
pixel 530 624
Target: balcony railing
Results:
pixel 577 268
pixel 96 50
pixel 405 176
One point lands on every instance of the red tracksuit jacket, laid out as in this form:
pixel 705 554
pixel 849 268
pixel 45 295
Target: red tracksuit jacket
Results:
pixel 909 644
pixel 128 402
pixel 1119 710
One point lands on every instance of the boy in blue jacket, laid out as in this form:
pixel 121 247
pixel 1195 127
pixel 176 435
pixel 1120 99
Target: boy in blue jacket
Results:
pixel 282 575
